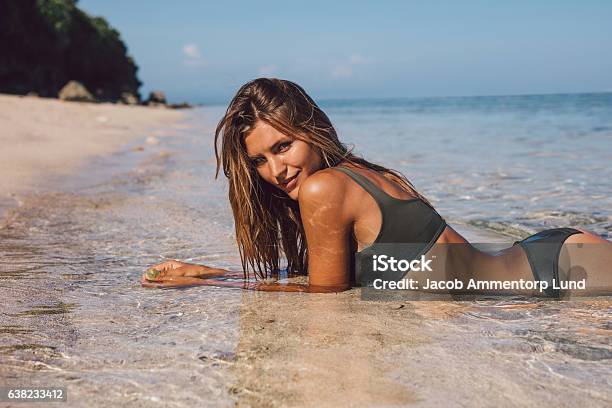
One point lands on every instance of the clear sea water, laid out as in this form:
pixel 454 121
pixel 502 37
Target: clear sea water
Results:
pixel 73 312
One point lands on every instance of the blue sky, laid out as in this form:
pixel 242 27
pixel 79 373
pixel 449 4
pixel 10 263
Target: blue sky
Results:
pixel 202 51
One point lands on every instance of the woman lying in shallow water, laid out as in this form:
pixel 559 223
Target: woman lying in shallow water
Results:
pixel 296 191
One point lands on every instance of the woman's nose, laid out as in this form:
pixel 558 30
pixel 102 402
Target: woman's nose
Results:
pixel 277 169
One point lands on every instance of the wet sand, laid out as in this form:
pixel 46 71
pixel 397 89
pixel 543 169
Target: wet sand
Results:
pixel 341 351
pixel 73 312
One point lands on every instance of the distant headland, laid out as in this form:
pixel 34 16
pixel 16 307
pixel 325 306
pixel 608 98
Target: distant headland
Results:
pixel 51 48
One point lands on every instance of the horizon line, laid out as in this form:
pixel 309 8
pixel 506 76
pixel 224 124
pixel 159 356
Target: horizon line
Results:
pixel 374 98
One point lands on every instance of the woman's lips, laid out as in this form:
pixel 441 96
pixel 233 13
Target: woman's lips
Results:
pixel 291 184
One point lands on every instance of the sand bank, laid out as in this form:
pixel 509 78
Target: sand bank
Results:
pixel 46 137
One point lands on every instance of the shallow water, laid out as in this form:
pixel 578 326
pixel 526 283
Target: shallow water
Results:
pixel 74 314
pixel 73 310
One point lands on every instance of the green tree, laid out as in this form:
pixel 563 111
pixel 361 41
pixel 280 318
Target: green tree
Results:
pixel 46 43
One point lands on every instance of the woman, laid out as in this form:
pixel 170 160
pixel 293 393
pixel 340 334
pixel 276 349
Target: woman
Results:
pixel 297 191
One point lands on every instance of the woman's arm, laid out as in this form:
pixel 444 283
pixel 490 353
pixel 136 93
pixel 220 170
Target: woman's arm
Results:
pixel 186 281
pixel 327 224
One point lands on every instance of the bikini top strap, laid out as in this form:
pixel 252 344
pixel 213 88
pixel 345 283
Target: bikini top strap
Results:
pixel 364 182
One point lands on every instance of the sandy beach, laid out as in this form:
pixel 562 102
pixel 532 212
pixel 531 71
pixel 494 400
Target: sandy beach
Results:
pixel 43 137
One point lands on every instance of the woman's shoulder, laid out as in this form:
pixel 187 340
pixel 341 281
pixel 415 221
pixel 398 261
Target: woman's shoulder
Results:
pixel 323 199
pixel 328 184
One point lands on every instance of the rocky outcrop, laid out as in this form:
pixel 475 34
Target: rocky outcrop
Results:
pixel 156 98
pixel 129 98
pixel 75 91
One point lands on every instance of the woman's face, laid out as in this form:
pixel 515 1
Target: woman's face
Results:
pixel 281 160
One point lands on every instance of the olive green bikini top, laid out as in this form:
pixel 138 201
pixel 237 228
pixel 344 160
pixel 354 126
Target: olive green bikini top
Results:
pixel 412 224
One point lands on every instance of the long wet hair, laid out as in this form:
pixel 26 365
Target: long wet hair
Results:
pixel 268 222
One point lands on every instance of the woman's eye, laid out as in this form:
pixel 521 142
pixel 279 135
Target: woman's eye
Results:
pixel 258 161
pixel 284 146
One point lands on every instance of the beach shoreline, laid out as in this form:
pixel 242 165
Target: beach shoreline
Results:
pixel 47 139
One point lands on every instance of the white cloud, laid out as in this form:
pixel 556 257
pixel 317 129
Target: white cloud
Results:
pixel 342 71
pixel 193 56
pixel 268 70
pixel 356 59
pixel 345 68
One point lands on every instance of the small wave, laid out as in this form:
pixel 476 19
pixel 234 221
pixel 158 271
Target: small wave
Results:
pixel 508 229
pixel 571 217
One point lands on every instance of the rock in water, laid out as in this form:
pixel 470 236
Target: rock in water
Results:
pixel 75 91
pixel 156 98
pixel 183 105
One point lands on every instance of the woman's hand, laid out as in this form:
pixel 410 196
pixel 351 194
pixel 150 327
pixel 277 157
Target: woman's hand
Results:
pixel 176 273
pixel 173 274
pixel 174 268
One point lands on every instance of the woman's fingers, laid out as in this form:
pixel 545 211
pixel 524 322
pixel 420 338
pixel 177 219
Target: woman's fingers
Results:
pixel 144 282
pixel 168 265
pixel 165 283
pixel 169 275
pixel 183 281
pixel 154 274
pixel 173 282
pixel 179 274
pixel 186 270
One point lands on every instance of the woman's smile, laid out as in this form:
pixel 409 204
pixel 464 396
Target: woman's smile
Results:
pixel 290 183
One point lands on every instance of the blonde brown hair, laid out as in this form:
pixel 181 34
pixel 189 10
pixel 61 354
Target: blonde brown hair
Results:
pixel 268 224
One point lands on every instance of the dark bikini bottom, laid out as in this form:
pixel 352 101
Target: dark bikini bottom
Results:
pixel 542 251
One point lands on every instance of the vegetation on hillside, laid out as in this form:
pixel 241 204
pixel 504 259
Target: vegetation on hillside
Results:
pixel 46 43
